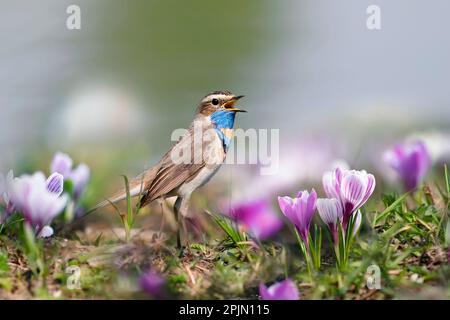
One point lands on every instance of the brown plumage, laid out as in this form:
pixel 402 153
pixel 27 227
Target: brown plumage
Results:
pixel 178 173
pixel 163 179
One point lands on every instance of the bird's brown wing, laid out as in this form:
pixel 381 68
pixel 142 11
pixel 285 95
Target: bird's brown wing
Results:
pixel 170 174
pixel 168 179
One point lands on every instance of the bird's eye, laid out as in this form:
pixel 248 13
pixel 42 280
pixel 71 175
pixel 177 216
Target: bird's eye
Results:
pixel 215 101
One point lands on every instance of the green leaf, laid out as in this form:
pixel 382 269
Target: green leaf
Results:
pixel 129 206
pixel 68 187
pixel 447 234
pixel 389 209
pixel 98 239
pixel 4 267
pixel 447 180
pixel 230 230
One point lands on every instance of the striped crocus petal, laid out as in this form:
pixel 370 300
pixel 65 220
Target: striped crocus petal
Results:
pixel 284 290
pixel 330 182
pixel 369 189
pixel 356 188
pixel 55 183
pixel 330 211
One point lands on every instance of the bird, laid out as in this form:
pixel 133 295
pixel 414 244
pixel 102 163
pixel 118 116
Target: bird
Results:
pixel 191 162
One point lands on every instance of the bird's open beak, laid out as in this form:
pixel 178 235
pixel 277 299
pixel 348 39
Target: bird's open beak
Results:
pixel 229 105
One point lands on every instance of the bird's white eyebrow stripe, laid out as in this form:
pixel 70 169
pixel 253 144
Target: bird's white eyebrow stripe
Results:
pixel 217 96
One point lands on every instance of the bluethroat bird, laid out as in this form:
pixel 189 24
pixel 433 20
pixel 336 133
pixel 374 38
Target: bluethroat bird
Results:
pixel 190 162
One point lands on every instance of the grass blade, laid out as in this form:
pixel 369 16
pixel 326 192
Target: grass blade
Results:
pixel 128 198
pixel 389 209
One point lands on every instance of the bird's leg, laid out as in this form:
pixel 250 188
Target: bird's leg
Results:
pixel 178 217
pixel 161 203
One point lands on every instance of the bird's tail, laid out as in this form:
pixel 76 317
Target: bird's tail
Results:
pixel 136 187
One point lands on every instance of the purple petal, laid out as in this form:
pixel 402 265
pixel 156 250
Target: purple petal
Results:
pixel 44 206
pixel 304 209
pixel 30 195
pixel 311 203
pixel 287 208
pixel 353 189
pixel 370 188
pixel 153 284
pixel 330 184
pixel 258 217
pixel 284 290
pixel 394 157
pixel 411 161
pixel 46 232
pixel 55 183
pixel 80 177
pixel 20 188
pixel 330 211
pixel 61 163
pixel 263 292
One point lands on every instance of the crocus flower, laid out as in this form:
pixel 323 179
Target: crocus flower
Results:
pixel 257 217
pixel 351 187
pixel 300 211
pixel 411 161
pixel 284 290
pixel 80 177
pixel 62 163
pixel 331 212
pixel 38 198
pixel 153 284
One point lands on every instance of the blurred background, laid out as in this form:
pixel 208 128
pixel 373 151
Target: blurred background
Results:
pixel 111 93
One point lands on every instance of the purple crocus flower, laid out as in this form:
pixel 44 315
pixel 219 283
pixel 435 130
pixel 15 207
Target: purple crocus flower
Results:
pixel 411 161
pixel 331 212
pixel 300 211
pixel 351 187
pixel 284 290
pixel 80 177
pixel 257 217
pixel 153 284
pixel 38 198
pixel 62 163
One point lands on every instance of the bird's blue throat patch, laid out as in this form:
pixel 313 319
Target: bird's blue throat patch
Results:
pixel 223 121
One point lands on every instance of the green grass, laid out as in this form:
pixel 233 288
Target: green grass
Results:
pixel 405 236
